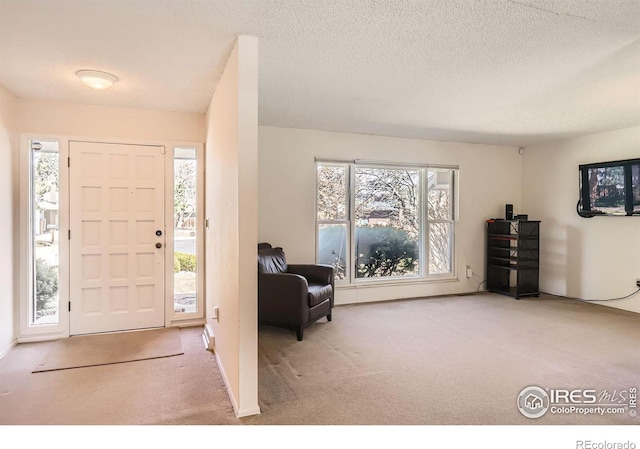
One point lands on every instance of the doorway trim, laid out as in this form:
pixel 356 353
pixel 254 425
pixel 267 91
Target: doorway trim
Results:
pixel 27 332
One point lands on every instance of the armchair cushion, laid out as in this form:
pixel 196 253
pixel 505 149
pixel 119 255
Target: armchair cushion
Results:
pixel 318 274
pixel 272 260
pixel 319 293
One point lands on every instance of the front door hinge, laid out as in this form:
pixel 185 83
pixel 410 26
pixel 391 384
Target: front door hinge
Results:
pixel 69 306
pixel 69 234
pixel 68 162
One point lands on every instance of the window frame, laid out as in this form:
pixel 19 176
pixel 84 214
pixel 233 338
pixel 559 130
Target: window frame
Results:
pixel 424 274
pixel 346 221
pixel 26 329
pixel 452 220
pixel 173 315
pixel 31 246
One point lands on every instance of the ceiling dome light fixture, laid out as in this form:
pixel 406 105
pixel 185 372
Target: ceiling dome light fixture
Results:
pixel 97 80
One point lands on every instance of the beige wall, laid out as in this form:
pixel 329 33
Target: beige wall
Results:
pixel 489 178
pixel 591 258
pixel 78 120
pixel 7 194
pixel 231 208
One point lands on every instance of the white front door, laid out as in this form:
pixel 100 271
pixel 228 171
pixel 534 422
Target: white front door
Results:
pixel 117 237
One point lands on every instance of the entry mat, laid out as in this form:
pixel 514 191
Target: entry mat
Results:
pixel 107 349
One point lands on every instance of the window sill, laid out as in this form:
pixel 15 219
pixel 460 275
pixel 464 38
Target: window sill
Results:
pixel 394 283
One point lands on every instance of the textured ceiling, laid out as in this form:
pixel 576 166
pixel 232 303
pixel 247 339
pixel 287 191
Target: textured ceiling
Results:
pixel 489 71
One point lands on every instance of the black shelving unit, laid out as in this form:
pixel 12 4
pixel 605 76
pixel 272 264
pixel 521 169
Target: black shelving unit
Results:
pixel 513 263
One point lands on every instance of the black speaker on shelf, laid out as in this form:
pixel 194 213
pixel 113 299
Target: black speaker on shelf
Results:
pixel 508 212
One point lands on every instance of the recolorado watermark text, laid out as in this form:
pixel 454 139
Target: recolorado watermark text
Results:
pixel 588 444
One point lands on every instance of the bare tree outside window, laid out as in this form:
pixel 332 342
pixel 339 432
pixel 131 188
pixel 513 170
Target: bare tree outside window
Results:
pixel 440 223
pixel 332 192
pixel 184 199
pixel 387 217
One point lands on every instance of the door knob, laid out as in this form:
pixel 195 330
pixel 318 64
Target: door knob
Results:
pixel 158 245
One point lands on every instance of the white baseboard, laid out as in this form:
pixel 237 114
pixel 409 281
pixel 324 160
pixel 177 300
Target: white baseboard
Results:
pixel 6 350
pixel 240 413
pixel 41 337
pixel 210 345
pixel 248 412
pixel 232 398
pixel 187 323
pixel 208 338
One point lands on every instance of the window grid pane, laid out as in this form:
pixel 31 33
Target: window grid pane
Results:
pixel 332 247
pixel 387 217
pixel 440 247
pixel 438 195
pixel 332 192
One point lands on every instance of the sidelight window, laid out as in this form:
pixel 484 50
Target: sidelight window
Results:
pixel 185 230
pixel 44 220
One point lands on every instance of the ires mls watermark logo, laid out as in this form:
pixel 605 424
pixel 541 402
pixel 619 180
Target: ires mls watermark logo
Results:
pixel 534 402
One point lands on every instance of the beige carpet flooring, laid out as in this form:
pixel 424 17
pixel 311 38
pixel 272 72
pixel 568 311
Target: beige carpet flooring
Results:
pixel 107 349
pixel 445 360
pixel 185 389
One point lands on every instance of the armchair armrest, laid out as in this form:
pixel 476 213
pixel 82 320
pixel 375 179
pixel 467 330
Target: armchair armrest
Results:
pixel 316 273
pixel 282 298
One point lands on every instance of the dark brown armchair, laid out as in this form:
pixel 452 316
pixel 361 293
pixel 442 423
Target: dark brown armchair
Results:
pixel 292 296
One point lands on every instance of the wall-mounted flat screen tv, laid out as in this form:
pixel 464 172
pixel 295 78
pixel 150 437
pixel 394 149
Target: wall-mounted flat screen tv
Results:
pixel 610 188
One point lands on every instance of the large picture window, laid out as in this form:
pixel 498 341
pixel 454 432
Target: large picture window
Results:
pixel 385 221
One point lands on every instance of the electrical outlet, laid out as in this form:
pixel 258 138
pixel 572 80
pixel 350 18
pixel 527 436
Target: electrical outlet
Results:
pixel 469 271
